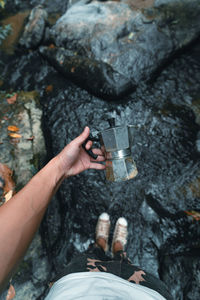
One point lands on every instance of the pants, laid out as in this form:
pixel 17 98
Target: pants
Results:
pixel 95 260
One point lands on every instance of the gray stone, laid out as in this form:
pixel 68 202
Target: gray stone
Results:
pixel 133 41
pixel 24 156
pixel 35 28
pixel 99 77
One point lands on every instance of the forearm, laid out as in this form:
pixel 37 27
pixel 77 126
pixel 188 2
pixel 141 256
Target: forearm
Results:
pixel 21 216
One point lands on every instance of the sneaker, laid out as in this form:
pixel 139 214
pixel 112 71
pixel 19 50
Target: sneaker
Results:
pixel 120 233
pixel 103 228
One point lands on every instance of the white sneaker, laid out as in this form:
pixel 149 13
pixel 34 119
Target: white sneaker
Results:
pixel 103 228
pixel 120 232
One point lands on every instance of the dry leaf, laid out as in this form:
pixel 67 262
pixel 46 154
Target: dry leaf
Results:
pixel 6 175
pixel 72 69
pixel 11 293
pixel 13 128
pixel 8 196
pixel 51 46
pixel 12 99
pixel 15 135
pixel 49 88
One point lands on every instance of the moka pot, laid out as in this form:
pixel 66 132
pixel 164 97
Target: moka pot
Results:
pixel 116 146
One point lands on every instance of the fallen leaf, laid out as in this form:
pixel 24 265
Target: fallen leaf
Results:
pixel 8 196
pixel 11 293
pixel 51 46
pixel 12 99
pixel 15 135
pixel 13 128
pixel 72 69
pixel 49 88
pixel 194 214
pixel 6 175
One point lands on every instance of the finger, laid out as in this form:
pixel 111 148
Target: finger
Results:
pixel 88 145
pixel 99 158
pixel 97 151
pixel 97 166
pixel 82 137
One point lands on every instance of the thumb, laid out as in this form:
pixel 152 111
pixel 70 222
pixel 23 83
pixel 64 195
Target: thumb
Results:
pixel 82 137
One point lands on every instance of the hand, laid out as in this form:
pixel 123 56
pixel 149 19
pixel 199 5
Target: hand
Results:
pixel 74 159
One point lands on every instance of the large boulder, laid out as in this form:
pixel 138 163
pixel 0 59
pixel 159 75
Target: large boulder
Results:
pixel 130 40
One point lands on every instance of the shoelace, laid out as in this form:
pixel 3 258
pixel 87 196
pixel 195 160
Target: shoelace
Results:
pixel 103 228
pixel 121 234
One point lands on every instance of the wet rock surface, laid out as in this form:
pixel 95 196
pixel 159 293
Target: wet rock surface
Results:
pixel 163 238
pixel 52 6
pixel 24 155
pixel 134 42
pixel 113 41
pixel 34 29
pixel 166 119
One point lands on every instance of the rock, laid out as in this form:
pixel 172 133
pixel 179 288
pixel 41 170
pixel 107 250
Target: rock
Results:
pixel 187 269
pixel 24 156
pixel 156 200
pixel 52 6
pixel 99 77
pixel 133 41
pixel 35 28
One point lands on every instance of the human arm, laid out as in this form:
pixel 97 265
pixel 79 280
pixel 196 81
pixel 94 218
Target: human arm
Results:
pixel 20 217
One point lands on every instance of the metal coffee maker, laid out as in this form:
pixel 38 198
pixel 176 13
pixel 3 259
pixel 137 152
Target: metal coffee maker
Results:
pixel 116 145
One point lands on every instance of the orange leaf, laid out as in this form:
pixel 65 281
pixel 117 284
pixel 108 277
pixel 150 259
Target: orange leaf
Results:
pixel 51 46
pixel 15 135
pixel 12 99
pixel 49 88
pixel 11 293
pixel 6 175
pixel 13 128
